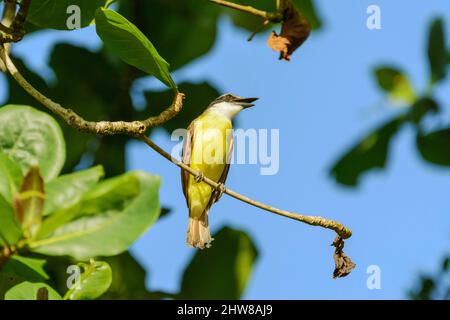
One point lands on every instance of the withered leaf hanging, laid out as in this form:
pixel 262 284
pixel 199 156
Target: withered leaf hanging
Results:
pixel 295 29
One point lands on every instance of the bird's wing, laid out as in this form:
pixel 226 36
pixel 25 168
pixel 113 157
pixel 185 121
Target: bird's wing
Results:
pixel 216 194
pixel 186 159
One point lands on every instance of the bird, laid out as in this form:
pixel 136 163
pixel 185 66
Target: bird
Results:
pixel 207 148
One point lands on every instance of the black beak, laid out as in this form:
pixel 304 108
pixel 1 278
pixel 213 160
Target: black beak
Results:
pixel 246 102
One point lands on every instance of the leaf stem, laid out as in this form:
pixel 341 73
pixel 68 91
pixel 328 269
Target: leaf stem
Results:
pixel 270 16
pixel 102 127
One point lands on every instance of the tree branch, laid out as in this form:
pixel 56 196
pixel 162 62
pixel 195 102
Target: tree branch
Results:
pixel 274 17
pixel 134 128
pixel 20 18
pixel 9 12
pixel 341 230
pixel 14 32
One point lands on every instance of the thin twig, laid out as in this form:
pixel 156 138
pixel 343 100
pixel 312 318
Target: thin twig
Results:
pixel 102 127
pixel 271 16
pixel 21 17
pixel 9 12
pixel 341 230
pixel 16 31
pixel 5 29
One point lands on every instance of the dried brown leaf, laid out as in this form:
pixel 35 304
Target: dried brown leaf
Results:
pixel 343 264
pixel 295 29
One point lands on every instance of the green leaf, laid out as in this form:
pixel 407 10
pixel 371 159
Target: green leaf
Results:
pixel 434 147
pixel 199 96
pixel 29 203
pixel 7 281
pixel 437 51
pixel 166 22
pixel 30 269
pixel 395 83
pixel 10 177
pixel 54 13
pixel 367 154
pixel 94 281
pixel 101 96
pixel 421 108
pixel 125 40
pixel 308 9
pixel 109 221
pixel 67 190
pixel 223 271
pixel 32 138
pixel 10 230
pixel 113 193
pixel 29 291
pixel 128 279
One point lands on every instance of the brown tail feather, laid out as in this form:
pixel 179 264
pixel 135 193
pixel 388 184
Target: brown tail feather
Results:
pixel 198 234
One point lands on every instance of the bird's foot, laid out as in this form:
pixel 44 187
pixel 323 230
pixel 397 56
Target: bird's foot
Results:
pixel 199 177
pixel 221 189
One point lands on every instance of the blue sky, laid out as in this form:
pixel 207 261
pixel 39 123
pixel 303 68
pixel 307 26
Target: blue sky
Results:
pixel 322 102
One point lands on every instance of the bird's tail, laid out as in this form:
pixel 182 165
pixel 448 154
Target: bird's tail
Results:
pixel 198 234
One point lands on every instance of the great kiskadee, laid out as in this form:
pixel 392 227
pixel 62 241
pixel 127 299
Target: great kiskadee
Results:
pixel 207 148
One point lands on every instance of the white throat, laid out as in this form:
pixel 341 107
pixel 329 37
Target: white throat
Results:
pixel 225 109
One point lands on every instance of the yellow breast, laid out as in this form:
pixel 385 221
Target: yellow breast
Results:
pixel 212 140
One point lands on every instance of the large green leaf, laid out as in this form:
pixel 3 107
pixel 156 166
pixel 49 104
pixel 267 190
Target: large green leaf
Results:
pixel 103 95
pixel 437 51
pixel 223 271
pixel 128 279
pixel 30 269
pixel 368 154
pixel 198 97
pixel 29 291
pixel 10 230
pixel 67 190
pixel 54 13
pixel 10 177
pixel 113 193
pixel 182 30
pixel 395 83
pixel 32 138
pixel 19 269
pixel 110 219
pixel 7 281
pixel 435 146
pixel 94 281
pixel 125 40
